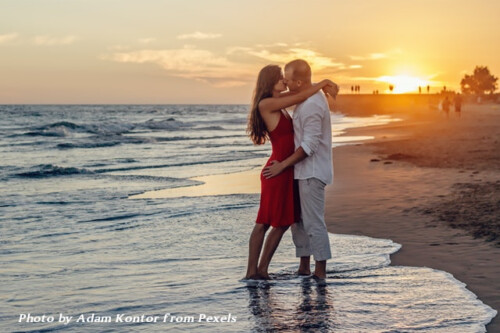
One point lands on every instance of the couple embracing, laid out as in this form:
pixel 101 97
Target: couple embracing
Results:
pixel 294 178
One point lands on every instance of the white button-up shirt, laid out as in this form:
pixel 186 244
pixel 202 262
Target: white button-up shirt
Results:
pixel 313 132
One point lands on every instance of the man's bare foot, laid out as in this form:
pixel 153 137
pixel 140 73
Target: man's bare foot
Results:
pixel 320 269
pixel 319 280
pixel 303 273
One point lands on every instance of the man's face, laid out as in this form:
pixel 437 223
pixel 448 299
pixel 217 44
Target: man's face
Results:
pixel 293 85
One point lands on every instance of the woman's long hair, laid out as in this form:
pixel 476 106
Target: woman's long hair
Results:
pixel 256 128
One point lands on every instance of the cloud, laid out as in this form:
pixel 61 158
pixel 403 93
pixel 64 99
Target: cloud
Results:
pixel 118 47
pixel 272 45
pixel 372 56
pixel 280 53
pixel 49 41
pixel 180 60
pixel 199 35
pixel 8 37
pixel 191 63
pixel 315 60
pixel 39 40
pixel 234 66
pixel 238 49
pixel 147 40
pixel 376 56
pixel 225 83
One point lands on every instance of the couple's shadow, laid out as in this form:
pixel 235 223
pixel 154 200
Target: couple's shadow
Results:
pixel 278 308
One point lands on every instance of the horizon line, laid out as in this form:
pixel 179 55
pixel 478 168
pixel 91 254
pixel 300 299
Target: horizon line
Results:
pixel 211 103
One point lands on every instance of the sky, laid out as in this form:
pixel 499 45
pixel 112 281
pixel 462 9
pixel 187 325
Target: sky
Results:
pixel 210 51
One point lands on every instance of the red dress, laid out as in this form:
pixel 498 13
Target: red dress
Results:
pixel 279 205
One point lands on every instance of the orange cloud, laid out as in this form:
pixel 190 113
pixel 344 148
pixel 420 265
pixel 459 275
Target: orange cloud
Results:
pixel 191 63
pixel 199 35
pixel 8 37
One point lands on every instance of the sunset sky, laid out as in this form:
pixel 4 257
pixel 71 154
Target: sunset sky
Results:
pixel 194 51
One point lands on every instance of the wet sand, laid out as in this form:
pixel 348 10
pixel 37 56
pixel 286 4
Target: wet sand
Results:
pixel 430 183
pixel 245 182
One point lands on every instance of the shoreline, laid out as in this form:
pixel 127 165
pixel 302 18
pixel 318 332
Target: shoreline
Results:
pixel 248 181
pixel 390 187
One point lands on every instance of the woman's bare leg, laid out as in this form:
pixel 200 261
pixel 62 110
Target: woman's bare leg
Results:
pixel 254 248
pixel 272 242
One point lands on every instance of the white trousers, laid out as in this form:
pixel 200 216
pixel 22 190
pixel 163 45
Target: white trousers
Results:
pixel 310 235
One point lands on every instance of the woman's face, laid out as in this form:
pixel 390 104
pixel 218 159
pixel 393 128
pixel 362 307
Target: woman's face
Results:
pixel 280 85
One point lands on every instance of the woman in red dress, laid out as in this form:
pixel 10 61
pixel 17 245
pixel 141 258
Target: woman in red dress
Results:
pixel 279 205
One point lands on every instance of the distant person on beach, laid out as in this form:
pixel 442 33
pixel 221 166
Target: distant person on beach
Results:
pixel 446 105
pixel 313 168
pixel 457 102
pixel 279 202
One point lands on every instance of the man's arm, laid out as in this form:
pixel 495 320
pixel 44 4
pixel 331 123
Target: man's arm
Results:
pixel 310 142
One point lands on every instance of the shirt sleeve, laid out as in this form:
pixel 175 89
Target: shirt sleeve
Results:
pixel 312 115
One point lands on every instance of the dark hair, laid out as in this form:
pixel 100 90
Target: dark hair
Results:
pixel 256 128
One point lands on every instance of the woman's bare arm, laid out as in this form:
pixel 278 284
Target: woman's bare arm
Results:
pixel 277 103
pixel 286 93
pixel 331 90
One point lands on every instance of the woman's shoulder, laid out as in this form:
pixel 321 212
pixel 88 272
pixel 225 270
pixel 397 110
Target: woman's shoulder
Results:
pixel 266 105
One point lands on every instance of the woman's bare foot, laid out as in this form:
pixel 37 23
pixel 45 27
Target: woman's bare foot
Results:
pixel 258 276
pixel 263 276
pixel 304 266
pixel 252 277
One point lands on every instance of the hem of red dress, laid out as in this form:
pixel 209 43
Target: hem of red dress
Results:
pixel 274 225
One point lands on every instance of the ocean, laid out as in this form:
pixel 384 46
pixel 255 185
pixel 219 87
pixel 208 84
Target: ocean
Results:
pixel 78 254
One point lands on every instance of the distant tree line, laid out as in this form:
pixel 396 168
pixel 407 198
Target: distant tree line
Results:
pixel 479 83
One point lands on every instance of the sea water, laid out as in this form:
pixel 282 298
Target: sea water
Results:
pixel 78 255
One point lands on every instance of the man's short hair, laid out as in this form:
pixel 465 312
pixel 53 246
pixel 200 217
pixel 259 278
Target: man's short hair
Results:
pixel 300 70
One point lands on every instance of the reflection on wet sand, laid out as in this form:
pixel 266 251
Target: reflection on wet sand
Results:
pixel 275 310
pixel 246 182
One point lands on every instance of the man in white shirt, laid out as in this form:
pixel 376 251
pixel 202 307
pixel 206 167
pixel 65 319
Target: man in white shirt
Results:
pixel 313 168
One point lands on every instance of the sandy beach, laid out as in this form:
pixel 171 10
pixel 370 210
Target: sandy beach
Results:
pixel 430 183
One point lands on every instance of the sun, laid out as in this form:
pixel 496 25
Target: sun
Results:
pixel 404 83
